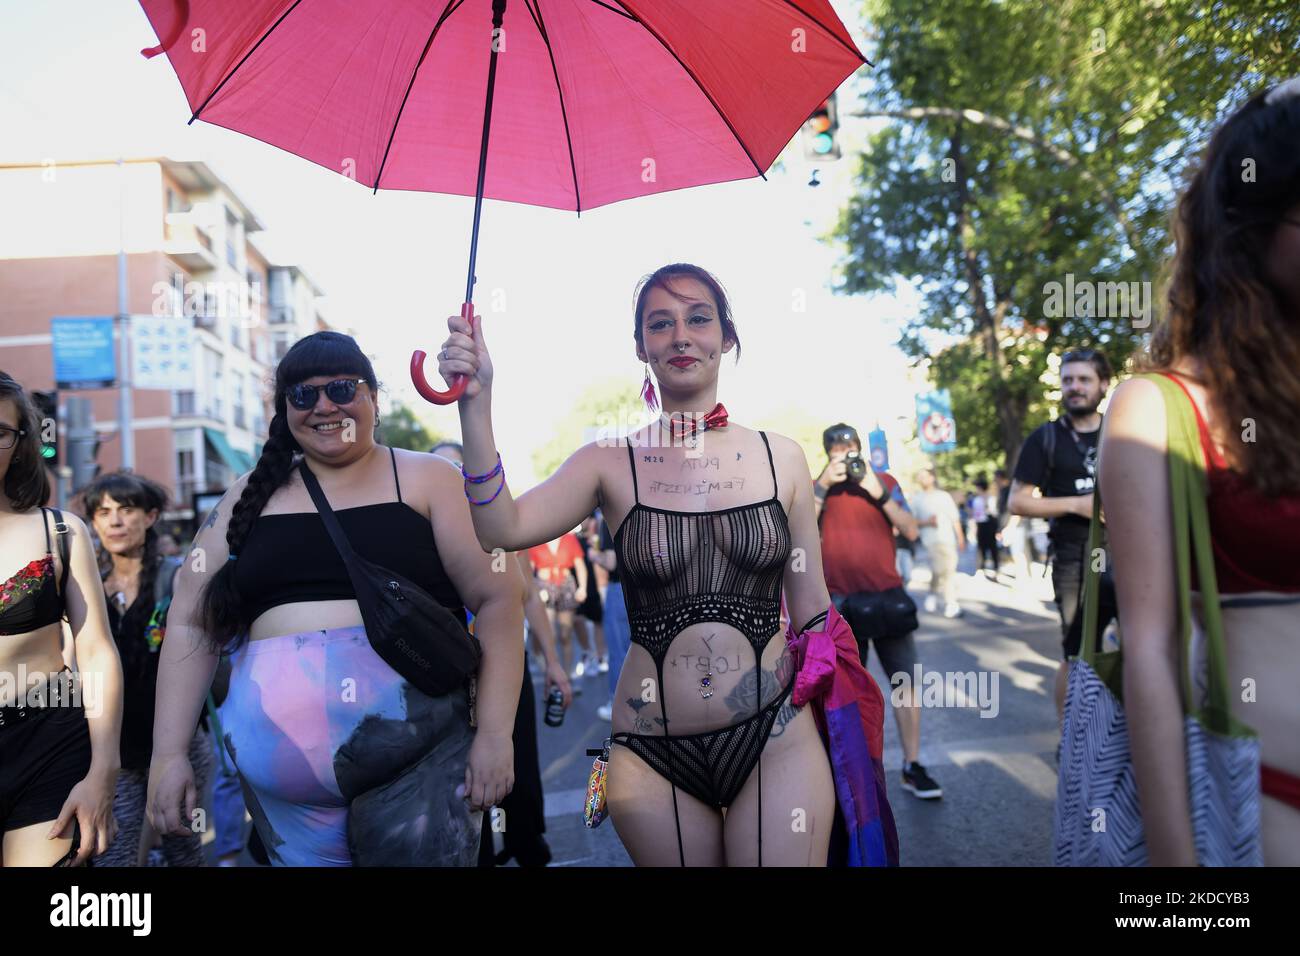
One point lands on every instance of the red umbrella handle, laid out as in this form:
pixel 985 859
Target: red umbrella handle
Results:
pixel 458 382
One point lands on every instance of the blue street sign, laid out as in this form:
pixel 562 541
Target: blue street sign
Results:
pixel 84 356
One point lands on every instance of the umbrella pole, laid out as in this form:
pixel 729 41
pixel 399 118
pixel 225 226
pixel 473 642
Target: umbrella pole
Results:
pixel 467 308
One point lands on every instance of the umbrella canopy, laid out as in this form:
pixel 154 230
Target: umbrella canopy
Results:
pixel 587 101
pixel 595 101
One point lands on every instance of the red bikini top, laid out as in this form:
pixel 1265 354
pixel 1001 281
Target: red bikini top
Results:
pixel 1256 537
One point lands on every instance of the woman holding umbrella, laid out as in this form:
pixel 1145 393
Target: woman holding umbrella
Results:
pixel 706 526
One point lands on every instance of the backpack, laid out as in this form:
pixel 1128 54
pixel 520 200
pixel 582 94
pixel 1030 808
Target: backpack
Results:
pixel 163 584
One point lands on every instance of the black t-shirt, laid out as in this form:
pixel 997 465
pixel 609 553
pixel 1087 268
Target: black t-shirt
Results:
pixel 1072 471
pixel 140 665
pixel 607 544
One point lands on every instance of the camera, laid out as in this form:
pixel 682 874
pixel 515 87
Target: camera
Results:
pixel 856 464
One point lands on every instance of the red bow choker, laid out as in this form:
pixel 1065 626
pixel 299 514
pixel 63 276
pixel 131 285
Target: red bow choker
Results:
pixel 684 424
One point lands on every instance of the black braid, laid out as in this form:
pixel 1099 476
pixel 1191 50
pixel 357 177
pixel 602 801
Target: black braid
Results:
pixel 225 618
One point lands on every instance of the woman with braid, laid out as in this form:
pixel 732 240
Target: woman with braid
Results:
pixel 342 761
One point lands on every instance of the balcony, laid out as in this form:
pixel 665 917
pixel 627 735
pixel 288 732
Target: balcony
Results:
pixel 186 242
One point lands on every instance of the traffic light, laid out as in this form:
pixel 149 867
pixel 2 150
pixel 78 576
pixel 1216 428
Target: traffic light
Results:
pixel 819 142
pixel 83 443
pixel 47 416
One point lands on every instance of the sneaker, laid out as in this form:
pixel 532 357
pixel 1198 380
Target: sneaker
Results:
pixel 590 667
pixel 602 665
pixel 920 783
pixel 952 610
pixel 576 673
pixel 605 712
pixel 931 603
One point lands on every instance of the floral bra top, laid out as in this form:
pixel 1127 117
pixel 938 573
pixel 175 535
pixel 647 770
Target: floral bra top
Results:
pixel 29 598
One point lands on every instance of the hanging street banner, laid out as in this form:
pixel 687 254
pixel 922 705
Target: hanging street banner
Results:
pixel 84 356
pixel 935 425
pixel 879 448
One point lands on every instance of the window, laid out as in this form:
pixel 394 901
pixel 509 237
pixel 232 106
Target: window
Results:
pixel 232 239
pixel 214 367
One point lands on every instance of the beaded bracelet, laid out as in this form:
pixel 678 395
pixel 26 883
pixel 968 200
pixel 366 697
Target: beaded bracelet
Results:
pixel 490 500
pixel 479 479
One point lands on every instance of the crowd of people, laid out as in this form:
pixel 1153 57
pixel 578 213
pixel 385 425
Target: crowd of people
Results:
pixel 340 652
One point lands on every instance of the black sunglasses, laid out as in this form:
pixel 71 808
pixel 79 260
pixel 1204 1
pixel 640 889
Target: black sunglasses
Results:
pixel 341 391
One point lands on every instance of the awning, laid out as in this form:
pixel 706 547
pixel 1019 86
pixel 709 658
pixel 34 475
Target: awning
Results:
pixel 237 461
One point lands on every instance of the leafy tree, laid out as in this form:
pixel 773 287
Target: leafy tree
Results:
pixel 607 409
pixel 1032 144
pixel 401 428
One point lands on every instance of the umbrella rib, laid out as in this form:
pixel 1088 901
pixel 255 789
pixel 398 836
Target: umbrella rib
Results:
pixel 447 11
pixel 227 77
pixel 829 32
pixel 564 114
pixel 689 72
pixel 621 13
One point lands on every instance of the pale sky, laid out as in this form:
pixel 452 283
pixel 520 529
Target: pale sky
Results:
pixel 74 87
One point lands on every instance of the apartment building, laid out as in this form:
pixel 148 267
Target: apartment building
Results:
pixel 190 253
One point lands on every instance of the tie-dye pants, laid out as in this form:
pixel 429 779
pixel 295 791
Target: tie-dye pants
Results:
pixel 342 762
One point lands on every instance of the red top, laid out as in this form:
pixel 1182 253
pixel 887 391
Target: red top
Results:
pixel 858 539
pixel 1256 537
pixel 558 563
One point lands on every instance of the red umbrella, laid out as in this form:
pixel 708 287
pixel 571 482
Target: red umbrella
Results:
pixel 587 102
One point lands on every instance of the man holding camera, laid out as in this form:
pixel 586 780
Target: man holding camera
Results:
pixel 858 509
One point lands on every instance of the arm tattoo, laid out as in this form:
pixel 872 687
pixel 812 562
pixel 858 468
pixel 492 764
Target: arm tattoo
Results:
pixel 212 518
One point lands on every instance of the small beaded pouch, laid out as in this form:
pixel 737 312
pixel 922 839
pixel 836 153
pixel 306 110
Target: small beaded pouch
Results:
pixel 594 810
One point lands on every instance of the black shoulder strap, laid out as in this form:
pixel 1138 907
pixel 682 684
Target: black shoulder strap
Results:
pixel 631 460
pixel 770 463
pixel 327 514
pixel 1049 450
pixel 396 481
pixel 61 532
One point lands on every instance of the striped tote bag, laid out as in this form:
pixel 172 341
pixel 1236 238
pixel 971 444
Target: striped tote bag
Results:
pixel 1098 821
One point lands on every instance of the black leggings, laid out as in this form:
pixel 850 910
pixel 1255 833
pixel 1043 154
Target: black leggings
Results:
pixel 986 536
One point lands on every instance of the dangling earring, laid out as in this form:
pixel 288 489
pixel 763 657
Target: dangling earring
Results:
pixel 648 393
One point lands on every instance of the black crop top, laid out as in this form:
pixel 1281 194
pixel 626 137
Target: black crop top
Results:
pixel 681 568
pixel 289 558
pixel 29 599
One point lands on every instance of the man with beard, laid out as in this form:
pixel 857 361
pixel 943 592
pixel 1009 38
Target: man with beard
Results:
pixel 1054 479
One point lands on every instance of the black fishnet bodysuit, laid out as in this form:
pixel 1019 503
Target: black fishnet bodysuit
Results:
pixel 682 568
